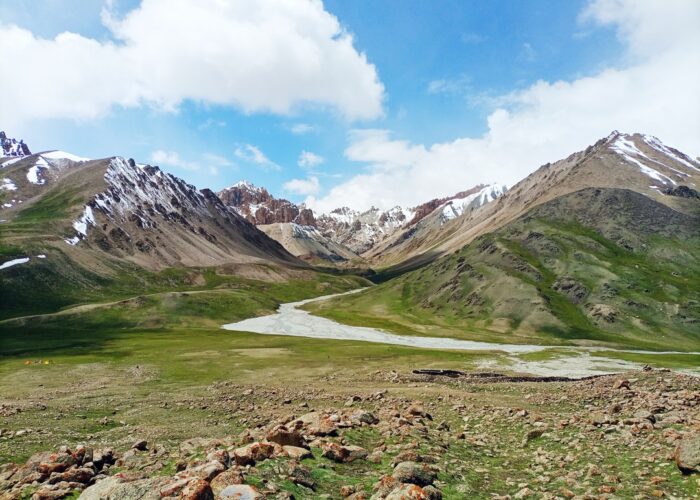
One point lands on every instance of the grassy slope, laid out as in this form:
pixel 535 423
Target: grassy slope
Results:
pixel 503 286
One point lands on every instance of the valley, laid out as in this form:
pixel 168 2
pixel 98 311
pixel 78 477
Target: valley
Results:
pixel 475 340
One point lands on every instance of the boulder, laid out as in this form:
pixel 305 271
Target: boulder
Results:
pixel 225 479
pixel 360 417
pixel 296 453
pixel 240 492
pixel 409 492
pixel 115 487
pixel 253 452
pixel 198 489
pixel 284 437
pixel 343 454
pixel 414 473
pixel 687 454
pixel 316 424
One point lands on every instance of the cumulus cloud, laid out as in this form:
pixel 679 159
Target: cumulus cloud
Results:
pixel 654 91
pixel 308 186
pixel 253 154
pixel 309 160
pixel 256 55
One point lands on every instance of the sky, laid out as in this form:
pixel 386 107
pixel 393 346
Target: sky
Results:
pixel 347 103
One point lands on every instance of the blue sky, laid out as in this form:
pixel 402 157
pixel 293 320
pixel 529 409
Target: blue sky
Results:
pixel 446 69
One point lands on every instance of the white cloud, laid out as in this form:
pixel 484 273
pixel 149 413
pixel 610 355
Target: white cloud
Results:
pixel 309 186
pixel 253 154
pixel 172 159
pixel 256 55
pixel 457 85
pixel 307 159
pixel 302 128
pixel 654 92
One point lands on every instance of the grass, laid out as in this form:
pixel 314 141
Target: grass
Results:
pixel 501 288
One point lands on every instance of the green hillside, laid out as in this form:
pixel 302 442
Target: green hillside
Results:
pixel 603 265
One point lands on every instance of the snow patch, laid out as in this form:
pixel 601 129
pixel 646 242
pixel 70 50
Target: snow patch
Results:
pixel 458 206
pixel 81 226
pixel 62 155
pixel 626 148
pixel 659 146
pixel 14 262
pixel 34 173
pixel 8 185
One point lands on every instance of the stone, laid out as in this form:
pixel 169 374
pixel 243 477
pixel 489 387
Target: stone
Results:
pixel 302 476
pixel 360 417
pixel 197 489
pixel 116 487
pixel 225 479
pixel 240 492
pixel 296 453
pixel 343 454
pixel 253 452
pixel 140 445
pixel 408 492
pixel 414 473
pixel 687 454
pixel 284 437
pixel 621 383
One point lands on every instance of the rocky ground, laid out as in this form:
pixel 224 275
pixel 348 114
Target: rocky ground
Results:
pixel 413 436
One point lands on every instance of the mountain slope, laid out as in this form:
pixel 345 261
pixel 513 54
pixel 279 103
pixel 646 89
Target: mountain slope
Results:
pixel 626 161
pixel 308 243
pixel 73 228
pixel 607 265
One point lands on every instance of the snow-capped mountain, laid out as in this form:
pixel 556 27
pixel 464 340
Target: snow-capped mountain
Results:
pixel 258 206
pixel 131 211
pixel 13 147
pixel 357 231
pixel 461 204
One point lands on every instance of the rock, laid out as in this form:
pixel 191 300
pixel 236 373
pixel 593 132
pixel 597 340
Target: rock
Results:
pixel 417 410
pixel 687 454
pixel 317 424
pixel 140 445
pixel 414 473
pixel 302 476
pixel 116 487
pixel 296 453
pixel 284 437
pixel 209 470
pixel 384 486
pixel 533 434
pixel 225 479
pixel 360 417
pixel 240 492
pixel 409 492
pixel 252 453
pixel 343 454
pixel 198 489
pixel 621 383
pixel 645 415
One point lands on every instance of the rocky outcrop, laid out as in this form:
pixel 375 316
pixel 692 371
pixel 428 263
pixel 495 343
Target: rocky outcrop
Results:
pixel 13 147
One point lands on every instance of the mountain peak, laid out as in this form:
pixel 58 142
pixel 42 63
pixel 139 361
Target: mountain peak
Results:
pixel 13 147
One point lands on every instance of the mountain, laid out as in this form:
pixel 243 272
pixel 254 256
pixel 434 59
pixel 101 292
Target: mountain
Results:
pixel 258 206
pixel 626 161
pixel 308 243
pixel 603 245
pixel 344 234
pixel 70 225
pixel 433 221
